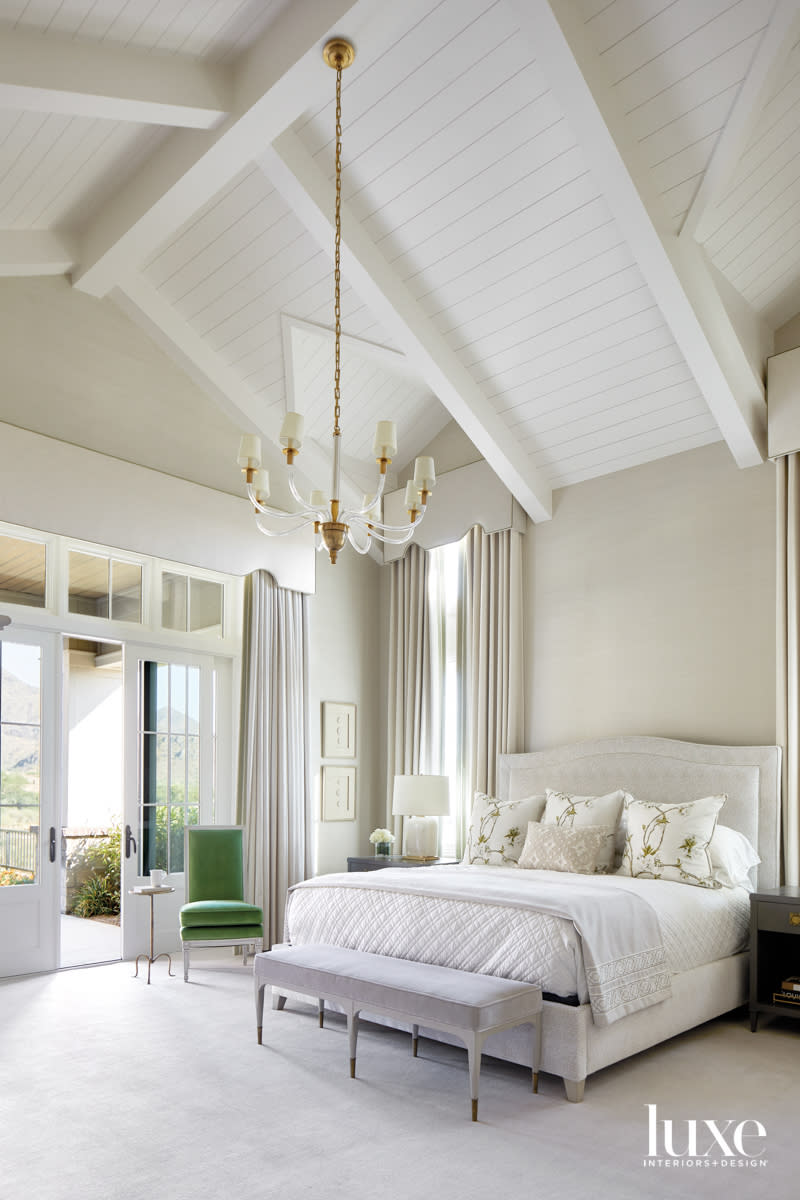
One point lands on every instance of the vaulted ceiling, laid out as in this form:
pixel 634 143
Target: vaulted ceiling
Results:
pixel 569 225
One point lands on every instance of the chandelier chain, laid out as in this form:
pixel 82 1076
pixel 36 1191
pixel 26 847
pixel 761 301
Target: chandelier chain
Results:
pixel 337 308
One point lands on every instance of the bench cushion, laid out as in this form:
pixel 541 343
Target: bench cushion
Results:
pixel 220 912
pixel 419 990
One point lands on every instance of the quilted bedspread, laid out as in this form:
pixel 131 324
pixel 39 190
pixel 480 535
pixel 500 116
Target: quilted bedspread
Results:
pixel 611 940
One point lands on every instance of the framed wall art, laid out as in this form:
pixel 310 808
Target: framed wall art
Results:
pixel 338 730
pixel 338 793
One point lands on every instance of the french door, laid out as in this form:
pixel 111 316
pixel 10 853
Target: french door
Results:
pixel 170 773
pixel 30 824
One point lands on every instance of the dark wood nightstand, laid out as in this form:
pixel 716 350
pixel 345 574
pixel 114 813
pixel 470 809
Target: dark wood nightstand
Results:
pixel 774 949
pixel 376 862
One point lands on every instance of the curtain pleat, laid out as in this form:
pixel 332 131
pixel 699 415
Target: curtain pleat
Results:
pixel 274 796
pixel 493 649
pixel 788 647
pixel 409 701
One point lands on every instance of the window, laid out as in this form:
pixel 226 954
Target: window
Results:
pixel 105 587
pixel 448 719
pixel 20 737
pixel 170 762
pixel 191 605
pixel 22 572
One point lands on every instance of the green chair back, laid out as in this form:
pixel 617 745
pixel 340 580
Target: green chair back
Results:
pixel 214 863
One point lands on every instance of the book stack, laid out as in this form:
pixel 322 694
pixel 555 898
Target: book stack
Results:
pixel 790 991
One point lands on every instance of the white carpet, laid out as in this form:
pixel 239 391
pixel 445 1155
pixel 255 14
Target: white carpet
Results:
pixel 112 1090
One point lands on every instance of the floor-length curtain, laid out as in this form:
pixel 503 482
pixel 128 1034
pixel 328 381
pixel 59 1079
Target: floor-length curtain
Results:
pixel 409 671
pixel 274 796
pixel 788 624
pixel 492 651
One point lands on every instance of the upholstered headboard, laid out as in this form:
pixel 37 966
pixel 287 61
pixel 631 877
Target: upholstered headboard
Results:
pixel 667 772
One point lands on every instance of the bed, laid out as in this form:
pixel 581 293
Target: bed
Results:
pixel 612 987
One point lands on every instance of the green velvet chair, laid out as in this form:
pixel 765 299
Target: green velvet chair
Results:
pixel 215 912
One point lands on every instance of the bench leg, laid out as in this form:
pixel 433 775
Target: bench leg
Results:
pixel 474 1051
pixel 278 1001
pixel 259 1008
pixel 321 1010
pixel 414 1039
pixel 352 1036
pixel 574 1089
pixel 537 1051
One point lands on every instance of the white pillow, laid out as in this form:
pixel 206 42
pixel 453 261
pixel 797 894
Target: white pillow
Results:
pixel 497 828
pixel 571 812
pixel 561 848
pixel 732 857
pixel 671 841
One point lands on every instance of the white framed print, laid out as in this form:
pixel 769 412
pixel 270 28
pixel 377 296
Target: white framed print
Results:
pixel 338 730
pixel 338 793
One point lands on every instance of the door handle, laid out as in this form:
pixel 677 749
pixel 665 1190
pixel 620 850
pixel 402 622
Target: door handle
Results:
pixel 52 843
pixel 129 840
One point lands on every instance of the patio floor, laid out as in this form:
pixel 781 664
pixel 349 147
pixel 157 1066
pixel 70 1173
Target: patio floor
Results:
pixel 84 942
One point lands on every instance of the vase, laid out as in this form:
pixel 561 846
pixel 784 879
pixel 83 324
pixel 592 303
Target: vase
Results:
pixel 383 848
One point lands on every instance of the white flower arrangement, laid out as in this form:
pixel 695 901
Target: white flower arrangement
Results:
pixel 381 835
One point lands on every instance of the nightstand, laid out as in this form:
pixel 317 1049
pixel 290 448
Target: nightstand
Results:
pixel 376 862
pixel 774 949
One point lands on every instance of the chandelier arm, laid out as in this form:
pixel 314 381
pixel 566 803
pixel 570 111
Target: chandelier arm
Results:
pixel 378 525
pixel 354 543
pixel 301 500
pixel 303 524
pixel 395 541
pixel 362 512
pixel 277 514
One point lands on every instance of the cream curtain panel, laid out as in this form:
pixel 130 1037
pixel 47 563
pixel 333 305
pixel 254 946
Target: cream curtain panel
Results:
pixel 274 797
pixel 788 623
pixel 493 648
pixel 409 698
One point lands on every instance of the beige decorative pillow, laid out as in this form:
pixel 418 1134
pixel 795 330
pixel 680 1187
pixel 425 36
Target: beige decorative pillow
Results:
pixel 571 812
pixel 497 828
pixel 560 848
pixel 671 841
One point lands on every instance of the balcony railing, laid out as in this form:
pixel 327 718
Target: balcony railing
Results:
pixel 19 849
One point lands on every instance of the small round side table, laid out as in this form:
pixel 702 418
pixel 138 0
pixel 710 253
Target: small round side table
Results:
pixel 152 892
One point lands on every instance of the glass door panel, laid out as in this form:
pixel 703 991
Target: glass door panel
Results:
pixel 29 829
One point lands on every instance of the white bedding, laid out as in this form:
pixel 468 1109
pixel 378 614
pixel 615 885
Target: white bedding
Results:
pixel 429 914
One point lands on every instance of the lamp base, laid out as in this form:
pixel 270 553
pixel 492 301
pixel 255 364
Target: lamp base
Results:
pixel 421 838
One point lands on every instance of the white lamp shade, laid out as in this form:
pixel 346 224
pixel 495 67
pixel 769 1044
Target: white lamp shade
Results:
pixel 412 500
pixel 421 796
pixel 385 444
pixel 261 486
pixel 318 500
pixel 291 435
pixel 424 474
pixel 249 456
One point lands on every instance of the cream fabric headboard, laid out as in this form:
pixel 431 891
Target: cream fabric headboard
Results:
pixel 667 772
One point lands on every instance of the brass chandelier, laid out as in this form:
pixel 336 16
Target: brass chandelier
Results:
pixel 334 523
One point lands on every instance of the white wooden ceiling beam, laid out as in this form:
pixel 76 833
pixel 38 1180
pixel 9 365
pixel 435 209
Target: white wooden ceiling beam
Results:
pixel 776 45
pixel 279 78
pixel 309 193
pixel 88 79
pixel 36 252
pixel 145 305
pixel 674 271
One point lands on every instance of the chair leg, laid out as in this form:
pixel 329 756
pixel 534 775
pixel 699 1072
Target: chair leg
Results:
pixel 185 964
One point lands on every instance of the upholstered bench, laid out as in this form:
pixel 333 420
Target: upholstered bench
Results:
pixel 466 1005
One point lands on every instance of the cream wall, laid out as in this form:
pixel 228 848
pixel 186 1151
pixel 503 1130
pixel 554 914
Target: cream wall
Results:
pixel 348 664
pixel 650 603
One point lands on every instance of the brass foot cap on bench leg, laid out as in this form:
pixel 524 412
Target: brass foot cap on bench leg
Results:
pixel 535 1081
pixel 414 1046
pixel 322 1020
pixel 474 1110
pixel 258 1031
pixel 352 1068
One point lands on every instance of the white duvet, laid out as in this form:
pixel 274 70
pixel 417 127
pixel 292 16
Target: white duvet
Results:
pixel 485 919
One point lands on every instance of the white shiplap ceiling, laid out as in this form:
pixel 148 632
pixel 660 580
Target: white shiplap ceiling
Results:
pixel 533 191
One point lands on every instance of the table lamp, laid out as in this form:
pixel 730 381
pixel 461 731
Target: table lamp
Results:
pixel 420 799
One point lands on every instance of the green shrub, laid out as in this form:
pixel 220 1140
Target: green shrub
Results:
pixel 98 897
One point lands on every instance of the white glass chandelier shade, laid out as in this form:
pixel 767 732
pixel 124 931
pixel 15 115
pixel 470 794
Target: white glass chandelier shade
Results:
pixel 333 522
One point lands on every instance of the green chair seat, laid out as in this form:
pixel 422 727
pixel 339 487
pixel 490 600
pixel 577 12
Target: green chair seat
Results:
pixel 221 933
pixel 220 912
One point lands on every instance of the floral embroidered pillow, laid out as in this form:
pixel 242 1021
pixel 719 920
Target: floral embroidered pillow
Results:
pixel 671 841
pixel 497 829
pixel 561 848
pixel 571 812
